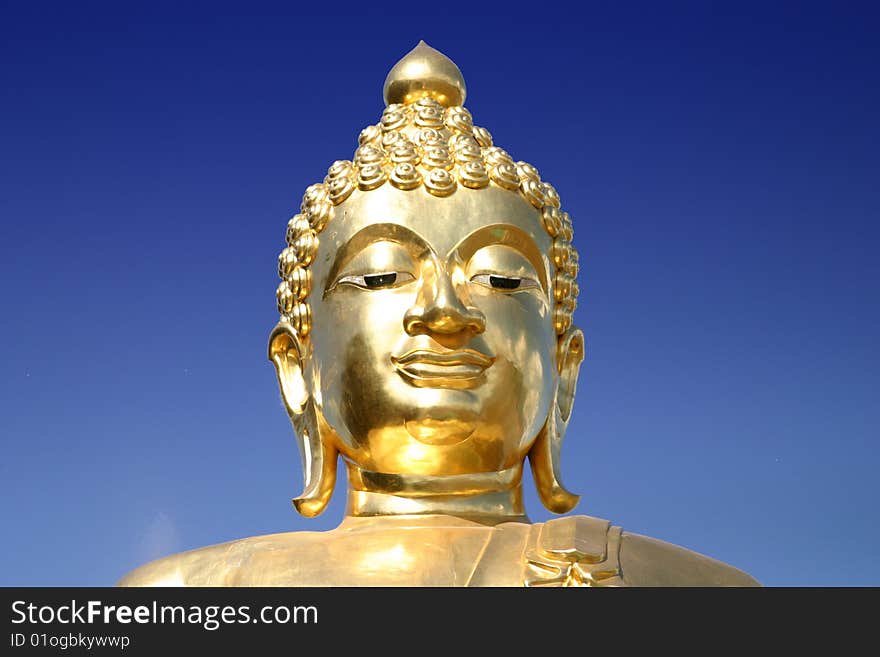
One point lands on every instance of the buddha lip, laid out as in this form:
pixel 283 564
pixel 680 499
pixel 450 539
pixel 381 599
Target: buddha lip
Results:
pixel 426 364
pixel 458 357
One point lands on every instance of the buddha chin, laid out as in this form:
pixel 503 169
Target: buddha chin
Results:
pixel 441 431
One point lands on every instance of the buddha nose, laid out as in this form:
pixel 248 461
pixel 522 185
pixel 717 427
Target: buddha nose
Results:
pixel 439 309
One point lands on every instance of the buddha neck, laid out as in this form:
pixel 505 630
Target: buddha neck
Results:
pixel 489 498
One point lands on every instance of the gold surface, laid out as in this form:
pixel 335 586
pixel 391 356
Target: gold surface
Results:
pixel 425 72
pixel 425 335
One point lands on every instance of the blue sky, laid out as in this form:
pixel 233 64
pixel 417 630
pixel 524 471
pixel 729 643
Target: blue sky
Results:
pixel 721 167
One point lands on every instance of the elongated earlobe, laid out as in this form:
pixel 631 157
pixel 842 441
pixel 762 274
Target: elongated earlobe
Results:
pixel 545 455
pixel 286 351
pixel 319 465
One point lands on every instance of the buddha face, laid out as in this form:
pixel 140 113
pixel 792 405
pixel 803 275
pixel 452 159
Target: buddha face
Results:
pixel 432 349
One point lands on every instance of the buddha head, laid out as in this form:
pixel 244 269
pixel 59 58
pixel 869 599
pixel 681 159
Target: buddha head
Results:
pixel 426 300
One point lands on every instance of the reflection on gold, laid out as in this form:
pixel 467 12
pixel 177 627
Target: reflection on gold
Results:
pixel 428 286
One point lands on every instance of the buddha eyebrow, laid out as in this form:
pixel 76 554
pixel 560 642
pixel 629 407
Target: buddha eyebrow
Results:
pixel 505 235
pixel 386 232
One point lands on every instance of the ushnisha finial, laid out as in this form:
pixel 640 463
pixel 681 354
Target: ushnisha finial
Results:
pixel 425 72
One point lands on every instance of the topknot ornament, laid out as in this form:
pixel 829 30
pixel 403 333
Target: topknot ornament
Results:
pixel 425 73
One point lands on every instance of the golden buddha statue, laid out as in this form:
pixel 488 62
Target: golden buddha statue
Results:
pixel 426 337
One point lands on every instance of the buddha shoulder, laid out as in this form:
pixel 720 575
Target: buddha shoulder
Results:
pixel 648 561
pixel 225 564
pixel 444 551
pixel 581 550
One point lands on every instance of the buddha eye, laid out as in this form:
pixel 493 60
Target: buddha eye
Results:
pixel 504 283
pixel 378 281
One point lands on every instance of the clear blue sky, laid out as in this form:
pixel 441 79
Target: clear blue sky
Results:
pixel 721 167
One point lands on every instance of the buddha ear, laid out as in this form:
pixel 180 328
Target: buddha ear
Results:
pixel 545 454
pixel 286 351
pixel 568 360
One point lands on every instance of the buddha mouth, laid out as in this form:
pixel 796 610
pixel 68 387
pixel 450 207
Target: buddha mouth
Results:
pixel 462 368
